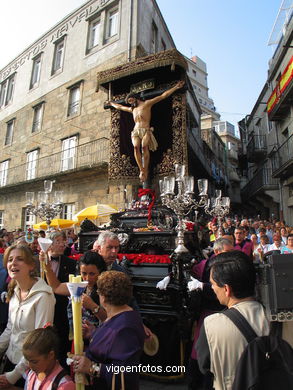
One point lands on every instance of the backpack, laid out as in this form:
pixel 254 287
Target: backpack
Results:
pixel 267 361
pixel 58 378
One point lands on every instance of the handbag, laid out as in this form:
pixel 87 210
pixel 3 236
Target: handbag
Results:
pixel 113 387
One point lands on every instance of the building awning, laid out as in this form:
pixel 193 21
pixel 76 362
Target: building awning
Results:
pixel 169 57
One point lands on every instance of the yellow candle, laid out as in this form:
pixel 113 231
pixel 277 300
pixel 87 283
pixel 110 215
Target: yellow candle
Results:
pixel 77 331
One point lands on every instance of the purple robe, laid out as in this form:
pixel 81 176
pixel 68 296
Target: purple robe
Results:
pixel 118 342
pixel 246 246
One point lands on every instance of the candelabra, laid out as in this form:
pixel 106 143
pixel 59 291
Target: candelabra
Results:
pixel 183 202
pixel 218 207
pixel 45 209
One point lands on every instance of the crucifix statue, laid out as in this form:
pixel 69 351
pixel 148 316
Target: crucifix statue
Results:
pixel 142 136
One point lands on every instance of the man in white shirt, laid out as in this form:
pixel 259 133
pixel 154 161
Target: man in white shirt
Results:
pixel 220 344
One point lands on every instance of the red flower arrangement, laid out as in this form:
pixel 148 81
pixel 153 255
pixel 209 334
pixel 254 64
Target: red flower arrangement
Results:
pixel 189 226
pixel 141 258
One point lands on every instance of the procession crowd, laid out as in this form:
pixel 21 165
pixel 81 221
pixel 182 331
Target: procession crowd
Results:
pixel 35 313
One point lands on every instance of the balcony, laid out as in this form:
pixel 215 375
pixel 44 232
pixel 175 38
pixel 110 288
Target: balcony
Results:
pixel 198 151
pixel 233 155
pixel 262 181
pixel 283 159
pixel 280 101
pixel 256 148
pixel 85 156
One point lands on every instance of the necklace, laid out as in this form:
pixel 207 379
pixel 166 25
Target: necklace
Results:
pixel 24 294
pixel 88 290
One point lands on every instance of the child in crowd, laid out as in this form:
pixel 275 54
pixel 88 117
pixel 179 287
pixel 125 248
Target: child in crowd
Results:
pixel 40 348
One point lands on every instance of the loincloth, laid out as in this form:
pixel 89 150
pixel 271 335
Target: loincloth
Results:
pixel 141 132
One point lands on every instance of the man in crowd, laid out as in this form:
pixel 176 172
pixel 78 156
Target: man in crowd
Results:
pixel 208 305
pixel 62 266
pixel 220 343
pixel 277 243
pixel 230 225
pixel 243 244
pixel 107 245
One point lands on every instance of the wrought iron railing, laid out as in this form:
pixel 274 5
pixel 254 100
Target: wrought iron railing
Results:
pixel 261 181
pixel 198 150
pixel 283 156
pixel 86 155
pixel 257 144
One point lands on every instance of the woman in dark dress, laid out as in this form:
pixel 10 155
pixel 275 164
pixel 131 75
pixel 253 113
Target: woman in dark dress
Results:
pixel 118 342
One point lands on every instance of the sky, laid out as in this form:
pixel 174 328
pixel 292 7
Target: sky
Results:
pixel 230 36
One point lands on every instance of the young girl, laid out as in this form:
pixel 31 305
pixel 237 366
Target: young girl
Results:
pixel 40 349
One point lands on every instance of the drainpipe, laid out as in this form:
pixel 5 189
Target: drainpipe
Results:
pixel 281 201
pixel 281 211
pixel 130 31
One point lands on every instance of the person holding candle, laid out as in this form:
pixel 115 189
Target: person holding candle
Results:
pixel 31 305
pixel 91 266
pixel 119 340
pixel 62 267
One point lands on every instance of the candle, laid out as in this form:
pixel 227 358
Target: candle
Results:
pixel 76 288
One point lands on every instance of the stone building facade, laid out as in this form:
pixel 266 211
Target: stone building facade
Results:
pixel 267 134
pixel 53 124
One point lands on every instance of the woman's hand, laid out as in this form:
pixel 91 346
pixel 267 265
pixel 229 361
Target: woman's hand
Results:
pixel 87 302
pixel 148 332
pixel 81 364
pixel 87 329
pixel 42 256
pixel 3 381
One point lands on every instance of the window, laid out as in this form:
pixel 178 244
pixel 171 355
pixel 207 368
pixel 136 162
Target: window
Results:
pixel 6 92
pixel 74 100
pixel 58 56
pixel 163 45
pixel 94 33
pixel 35 78
pixel 38 115
pixel 68 153
pixel 154 39
pixel 29 220
pixel 112 23
pixel 269 124
pixel 3 173
pixel 9 132
pixel 31 164
pixel 68 211
pixel 1 219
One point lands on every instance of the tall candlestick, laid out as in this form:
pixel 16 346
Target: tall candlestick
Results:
pixel 76 288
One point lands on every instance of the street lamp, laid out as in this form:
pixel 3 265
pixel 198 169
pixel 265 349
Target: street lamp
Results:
pixel 47 206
